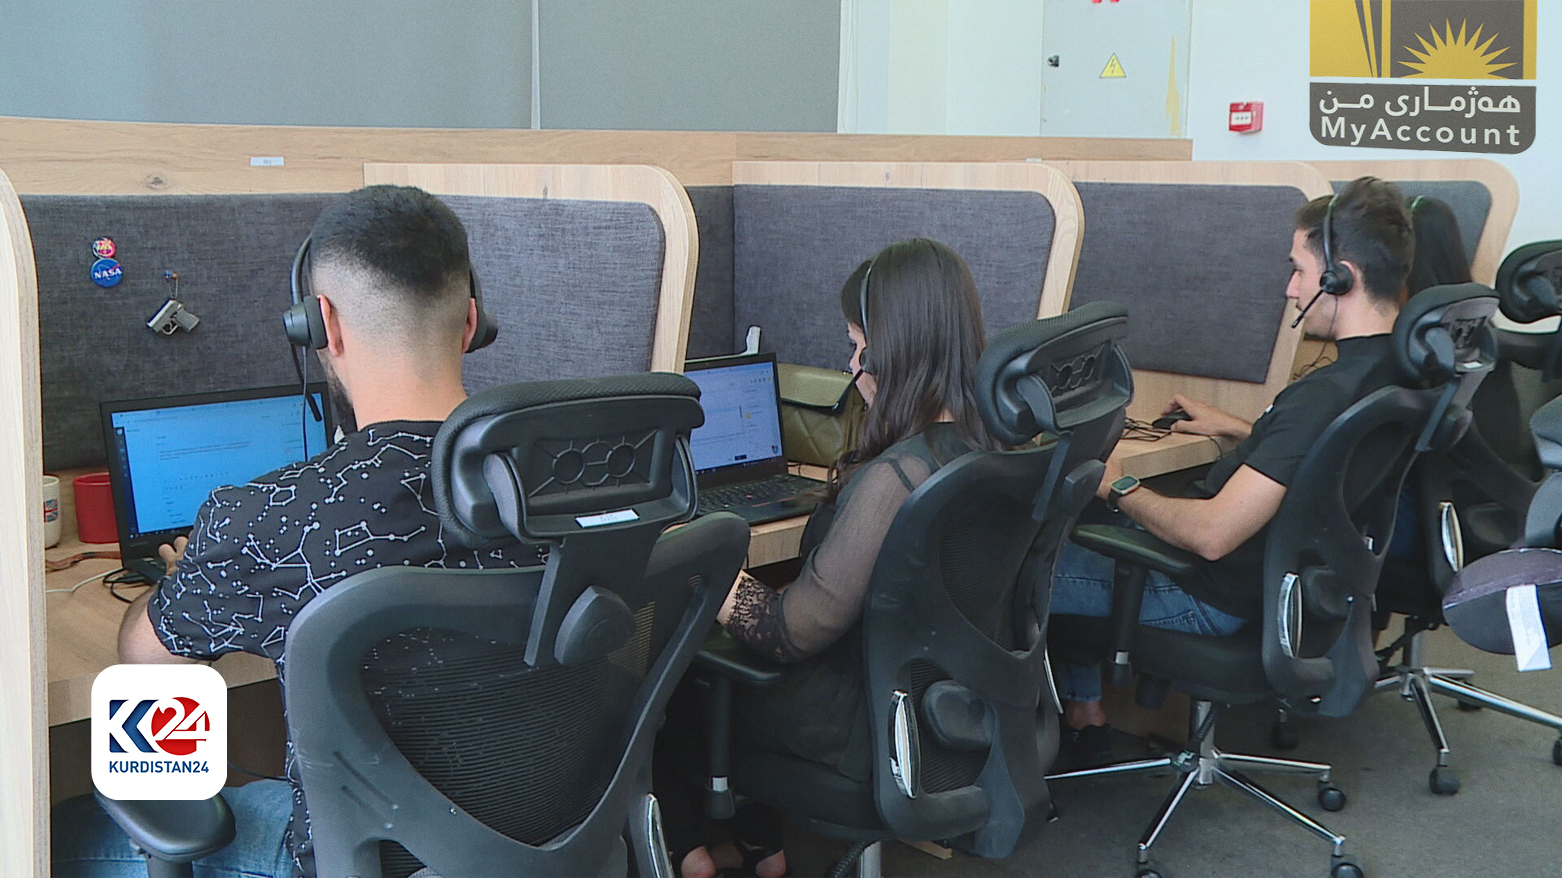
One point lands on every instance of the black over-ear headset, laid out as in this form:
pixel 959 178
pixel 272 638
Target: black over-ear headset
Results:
pixel 1337 278
pixel 862 311
pixel 305 326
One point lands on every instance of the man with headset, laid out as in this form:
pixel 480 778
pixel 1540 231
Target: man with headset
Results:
pixel 1350 255
pixel 384 293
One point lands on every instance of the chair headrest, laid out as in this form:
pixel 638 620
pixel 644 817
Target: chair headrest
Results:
pixel 1530 282
pixel 546 459
pixel 1444 333
pixel 1053 374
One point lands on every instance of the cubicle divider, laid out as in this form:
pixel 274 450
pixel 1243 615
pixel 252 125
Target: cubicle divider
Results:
pixel 1197 251
pixel 24 769
pixel 1483 194
pixel 801 228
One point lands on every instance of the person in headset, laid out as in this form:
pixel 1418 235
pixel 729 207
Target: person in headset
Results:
pixel 1349 258
pixel 389 272
pixel 915 322
pixel 1440 255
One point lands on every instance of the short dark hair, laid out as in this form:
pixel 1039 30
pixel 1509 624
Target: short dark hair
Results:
pixel 402 233
pixel 1440 255
pixel 1370 228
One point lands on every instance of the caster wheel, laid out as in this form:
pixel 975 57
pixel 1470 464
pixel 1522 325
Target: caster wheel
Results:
pixel 1283 737
pixel 1331 798
pixel 1556 752
pixel 1148 873
pixel 1444 781
pixel 1469 706
pixel 1346 870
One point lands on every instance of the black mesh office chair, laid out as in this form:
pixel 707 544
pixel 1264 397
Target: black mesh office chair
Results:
pixel 1471 501
pixel 500 721
pixel 1312 654
pixel 953 639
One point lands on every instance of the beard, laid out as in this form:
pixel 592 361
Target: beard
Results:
pixel 341 403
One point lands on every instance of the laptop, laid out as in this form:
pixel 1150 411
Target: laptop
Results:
pixel 739 465
pixel 166 455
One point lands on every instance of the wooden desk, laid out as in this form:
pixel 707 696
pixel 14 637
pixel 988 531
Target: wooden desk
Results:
pixel 1176 451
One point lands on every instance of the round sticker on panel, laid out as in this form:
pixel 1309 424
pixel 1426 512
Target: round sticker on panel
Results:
pixel 103 248
pixel 107 273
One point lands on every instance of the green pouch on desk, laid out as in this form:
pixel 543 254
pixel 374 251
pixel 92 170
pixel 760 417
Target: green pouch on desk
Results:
pixel 820 412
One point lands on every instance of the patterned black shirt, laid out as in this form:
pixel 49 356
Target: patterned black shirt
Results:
pixel 259 552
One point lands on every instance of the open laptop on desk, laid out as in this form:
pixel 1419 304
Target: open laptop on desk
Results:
pixel 166 455
pixel 738 462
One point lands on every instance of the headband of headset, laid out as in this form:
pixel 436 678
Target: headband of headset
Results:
pixel 305 325
pixel 1337 277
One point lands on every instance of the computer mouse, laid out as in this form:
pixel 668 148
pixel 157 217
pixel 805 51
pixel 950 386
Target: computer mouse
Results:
pixel 1165 421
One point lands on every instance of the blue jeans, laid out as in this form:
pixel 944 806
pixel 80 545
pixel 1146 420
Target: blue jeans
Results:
pixel 1082 586
pixel 89 844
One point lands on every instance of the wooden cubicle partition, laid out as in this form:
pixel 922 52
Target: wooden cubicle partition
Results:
pixel 648 185
pixel 1242 398
pixel 1068 222
pixel 69 157
pixel 24 768
pixel 1498 180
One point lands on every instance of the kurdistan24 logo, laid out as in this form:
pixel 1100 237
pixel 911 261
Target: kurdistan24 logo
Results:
pixel 159 732
pixel 1370 52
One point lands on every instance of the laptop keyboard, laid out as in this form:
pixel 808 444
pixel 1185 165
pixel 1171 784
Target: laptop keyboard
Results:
pixel 747 495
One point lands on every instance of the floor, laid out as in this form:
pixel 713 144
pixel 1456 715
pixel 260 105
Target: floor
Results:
pixel 1502 822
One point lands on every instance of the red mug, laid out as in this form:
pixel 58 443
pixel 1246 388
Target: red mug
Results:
pixel 95 522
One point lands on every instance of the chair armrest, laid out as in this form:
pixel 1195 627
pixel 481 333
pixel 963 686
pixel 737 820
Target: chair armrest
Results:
pixel 722 655
pixel 174 831
pixel 1136 547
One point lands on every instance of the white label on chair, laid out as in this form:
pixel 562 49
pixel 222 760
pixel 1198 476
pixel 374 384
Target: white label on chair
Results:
pixel 1529 633
pixel 600 519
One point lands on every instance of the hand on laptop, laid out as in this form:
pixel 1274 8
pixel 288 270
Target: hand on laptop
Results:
pixel 1206 419
pixel 172 553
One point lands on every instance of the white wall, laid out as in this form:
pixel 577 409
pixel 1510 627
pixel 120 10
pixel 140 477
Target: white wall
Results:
pixel 1247 50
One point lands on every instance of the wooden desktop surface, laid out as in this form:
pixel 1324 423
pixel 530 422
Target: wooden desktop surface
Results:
pixel 83 625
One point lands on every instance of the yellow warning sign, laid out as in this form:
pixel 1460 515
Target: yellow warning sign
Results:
pixel 1114 69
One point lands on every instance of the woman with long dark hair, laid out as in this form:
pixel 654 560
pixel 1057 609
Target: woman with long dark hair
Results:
pixel 915 355
pixel 1440 255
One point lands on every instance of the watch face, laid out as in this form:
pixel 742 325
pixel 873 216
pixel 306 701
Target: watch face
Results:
pixel 1124 483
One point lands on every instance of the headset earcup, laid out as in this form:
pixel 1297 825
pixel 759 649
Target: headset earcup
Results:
pixel 304 324
pixel 487 329
pixel 862 362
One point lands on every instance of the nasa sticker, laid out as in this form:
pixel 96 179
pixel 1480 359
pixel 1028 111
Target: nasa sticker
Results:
pixel 107 272
pixel 103 248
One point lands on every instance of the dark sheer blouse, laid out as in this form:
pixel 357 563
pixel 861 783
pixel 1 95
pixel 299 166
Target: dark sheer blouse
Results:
pixel 814 610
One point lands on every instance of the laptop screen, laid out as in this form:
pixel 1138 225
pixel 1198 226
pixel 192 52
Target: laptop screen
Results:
pixel 167 455
pixel 742 413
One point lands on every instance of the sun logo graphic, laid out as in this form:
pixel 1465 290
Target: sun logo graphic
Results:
pixel 159 732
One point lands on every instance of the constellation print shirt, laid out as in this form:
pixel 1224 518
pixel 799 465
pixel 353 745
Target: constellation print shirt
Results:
pixel 259 552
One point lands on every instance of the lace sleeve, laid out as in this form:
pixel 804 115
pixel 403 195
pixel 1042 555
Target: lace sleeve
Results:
pixel 756 619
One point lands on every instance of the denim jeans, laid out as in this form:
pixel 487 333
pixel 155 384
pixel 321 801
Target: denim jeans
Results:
pixel 1082 586
pixel 88 844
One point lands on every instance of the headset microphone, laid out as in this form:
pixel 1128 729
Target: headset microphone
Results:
pixel 1308 307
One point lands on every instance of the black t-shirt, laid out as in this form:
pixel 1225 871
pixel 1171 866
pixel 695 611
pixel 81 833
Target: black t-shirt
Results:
pixel 259 552
pixel 1281 438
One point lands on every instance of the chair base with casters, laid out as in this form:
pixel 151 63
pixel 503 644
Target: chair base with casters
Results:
pixel 1201 764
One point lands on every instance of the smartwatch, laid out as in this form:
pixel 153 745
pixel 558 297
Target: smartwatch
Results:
pixel 1121 488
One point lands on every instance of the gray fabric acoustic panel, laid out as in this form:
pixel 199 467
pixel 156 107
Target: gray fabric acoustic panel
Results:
pixel 233 254
pixel 710 324
pixel 573 285
pixel 1470 201
pixel 1202 270
pixel 794 246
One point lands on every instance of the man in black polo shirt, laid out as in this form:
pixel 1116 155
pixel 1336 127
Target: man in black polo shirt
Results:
pixel 1224 517
pixel 391 271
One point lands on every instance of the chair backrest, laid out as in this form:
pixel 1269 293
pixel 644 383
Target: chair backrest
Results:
pixel 953 636
pixel 1543 520
pixel 500 721
pixel 1329 538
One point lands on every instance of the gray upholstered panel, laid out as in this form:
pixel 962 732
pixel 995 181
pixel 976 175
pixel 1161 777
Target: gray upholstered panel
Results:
pixel 232 253
pixel 794 246
pixel 1201 268
pixel 710 324
pixel 573 285
pixel 1469 199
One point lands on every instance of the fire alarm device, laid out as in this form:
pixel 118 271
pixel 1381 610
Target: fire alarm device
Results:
pixel 1247 117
